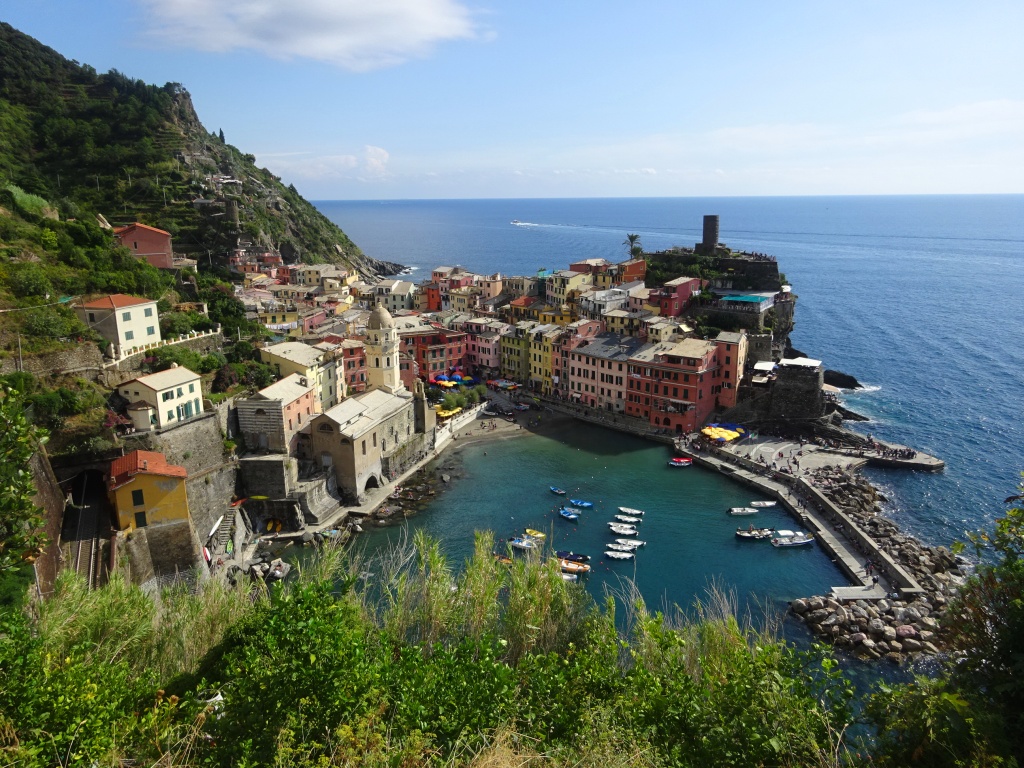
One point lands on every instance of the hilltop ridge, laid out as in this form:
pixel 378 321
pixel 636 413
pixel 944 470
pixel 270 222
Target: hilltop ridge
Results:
pixel 108 144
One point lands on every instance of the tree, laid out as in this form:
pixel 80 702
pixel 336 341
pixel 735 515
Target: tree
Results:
pixel 633 245
pixel 20 520
pixel 987 621
pixel 221 136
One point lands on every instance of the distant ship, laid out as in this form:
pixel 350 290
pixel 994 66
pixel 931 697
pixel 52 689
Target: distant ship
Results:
pixel 516 221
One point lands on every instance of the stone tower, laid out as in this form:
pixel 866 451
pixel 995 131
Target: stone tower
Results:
pixel 382 366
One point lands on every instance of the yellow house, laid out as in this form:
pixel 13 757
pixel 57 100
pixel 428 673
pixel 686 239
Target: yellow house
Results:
pixel 543 343
pixel 515 351
pixel 145 490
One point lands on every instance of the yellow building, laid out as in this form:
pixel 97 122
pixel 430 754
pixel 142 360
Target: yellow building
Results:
pixel 145 490
pixel 316 365
pixel 543 343
pixel 515 351
pixel 563 286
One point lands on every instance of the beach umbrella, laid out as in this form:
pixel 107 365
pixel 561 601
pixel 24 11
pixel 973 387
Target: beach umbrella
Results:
pixel 442 377
pixel 456 377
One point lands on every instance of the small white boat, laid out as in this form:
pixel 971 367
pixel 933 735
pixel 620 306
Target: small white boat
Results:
pixel 796 540
pixel 620 529
pixel 620 547
pixel 628 519
pixel 742 511
pixel 631 543
pixel 613 555
pixel 763 503
pixel 631 511
pixel 755 533
pixel 524 542
pixel 570 577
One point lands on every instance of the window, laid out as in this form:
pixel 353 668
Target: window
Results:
pixel 150 331
pixel 181 393
pixel 192 387
pixel 129 335
pixel 140 519
pixel 364 447
pixel 170 415
pixel 138 498
pixel 148 312
pixel 167 396
pixel 92 317
pixel 126 316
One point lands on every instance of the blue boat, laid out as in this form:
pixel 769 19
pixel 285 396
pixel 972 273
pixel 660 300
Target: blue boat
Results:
pixel 578 503
pixel 573 510
pixel 557 491
pixel 570 516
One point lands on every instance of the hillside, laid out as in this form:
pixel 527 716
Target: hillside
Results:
pixel 108 144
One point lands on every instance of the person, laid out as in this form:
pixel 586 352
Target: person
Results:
pixel 874 580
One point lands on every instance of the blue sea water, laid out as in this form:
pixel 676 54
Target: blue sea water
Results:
pixel 920 297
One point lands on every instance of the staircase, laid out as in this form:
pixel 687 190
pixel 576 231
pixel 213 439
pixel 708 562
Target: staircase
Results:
pixel 223 535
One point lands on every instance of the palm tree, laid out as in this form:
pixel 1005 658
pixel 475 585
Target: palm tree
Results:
pixel 633 243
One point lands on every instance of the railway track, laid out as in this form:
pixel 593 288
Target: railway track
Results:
pixel 86 549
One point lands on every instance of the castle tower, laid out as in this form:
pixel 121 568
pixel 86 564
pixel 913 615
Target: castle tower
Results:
pixel 382 367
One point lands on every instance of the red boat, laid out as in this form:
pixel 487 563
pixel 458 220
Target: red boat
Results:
pixel 679 461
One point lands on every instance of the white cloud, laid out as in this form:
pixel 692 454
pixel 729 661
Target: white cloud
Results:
pixel 369 165
pixel 359 35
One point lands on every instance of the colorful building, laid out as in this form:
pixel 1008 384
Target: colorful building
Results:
pixel 148 243
pixel 163 399
pixel 598 373
pixel 127 322
pixel 673 385
pixel 145 490
pixel 515 351
pixel 315 365
pixel 271 419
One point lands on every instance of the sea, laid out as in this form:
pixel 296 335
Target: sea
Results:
pixel 921 298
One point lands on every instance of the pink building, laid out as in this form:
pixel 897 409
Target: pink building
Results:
pixel 674 385
pixel 598 370
pixel 483 346
pixel 575 334
pixel 271 419
pixel 149 243
pixel 674 296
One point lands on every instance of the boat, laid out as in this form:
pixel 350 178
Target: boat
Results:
pixel 620 547
pixel 568 554
pixel 755 533
pixel 278 570
pixel 557 491
pixel 631 511
pixel 763 503
pixel 533 533
pixel 742 511
pixel 798 539
pixel 623 530
pixel 571 566
pixel 570 516
pixel 570 577
pixel 503 559
pixel 574 510
pixel 631 543
pixel 517 222
pixel 628 519
pixel 613 555
pixel 580 503
pixel 523 542
pixel 679 461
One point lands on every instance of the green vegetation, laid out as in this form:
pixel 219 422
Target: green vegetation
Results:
pixel 426 667
pixel 20 520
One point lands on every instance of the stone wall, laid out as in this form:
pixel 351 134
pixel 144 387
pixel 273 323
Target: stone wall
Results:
pixel 209 496
pixel 84 359
pixel 751 275
pixel 273 476
pixel 132 367
pixel 173 547
pixel 51 500
pixel 135 547
pixel 195 444
pixel 797 393
pixel 264 418
pixel 759 347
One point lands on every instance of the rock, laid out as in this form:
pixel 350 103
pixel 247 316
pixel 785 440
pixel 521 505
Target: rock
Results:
pixel 876 626
pixel 306 537
pixel 894 657
pixel 883 606
pixel 799 606
pixel 815 604
pixel 832 621
pixel 910 644
pixel 842 380
pixel 857 638
pixel 906 630
pixel 895 645
pixel 930 648
pixel 928 623
pixel 818 616
pixel 446 478
pixel 889 633
pixel 912 614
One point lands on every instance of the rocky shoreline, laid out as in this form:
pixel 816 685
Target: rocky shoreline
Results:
pixel 894 629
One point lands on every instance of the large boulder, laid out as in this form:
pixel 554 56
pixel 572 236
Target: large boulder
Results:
pixel 841 380
pixel 906 630
pixel 799 606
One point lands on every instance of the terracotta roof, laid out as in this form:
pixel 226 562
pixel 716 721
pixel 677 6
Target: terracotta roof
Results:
pixel 116 301
pixel 123 469
pixel 137 225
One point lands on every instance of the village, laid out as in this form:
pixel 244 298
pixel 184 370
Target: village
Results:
pixel 376 377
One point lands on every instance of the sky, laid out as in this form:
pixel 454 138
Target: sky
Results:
pixel 410 99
